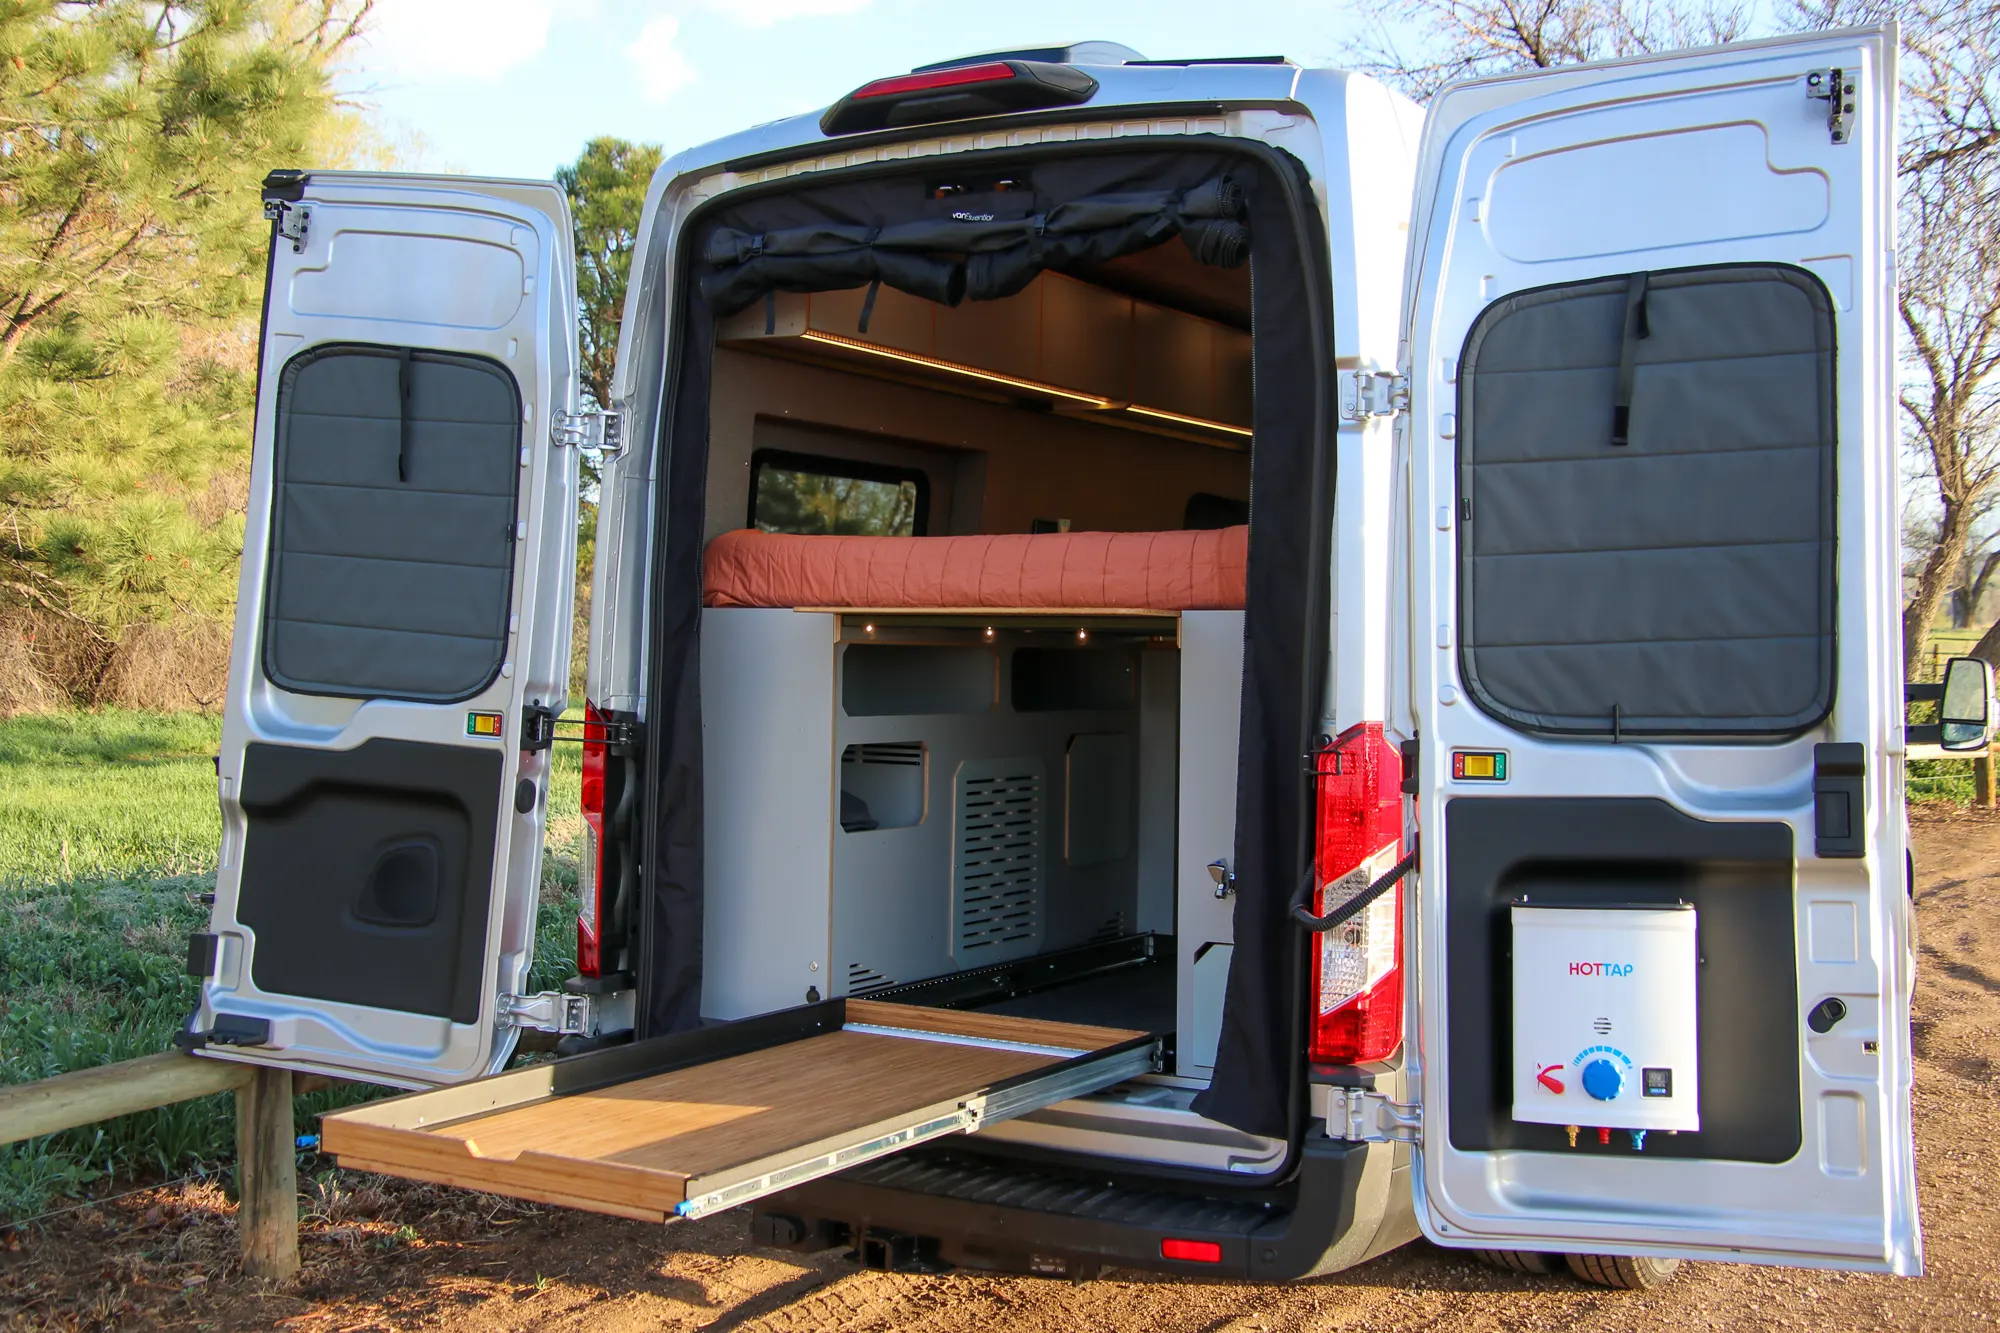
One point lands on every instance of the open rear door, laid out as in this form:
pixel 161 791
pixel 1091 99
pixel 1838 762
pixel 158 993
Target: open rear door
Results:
pixel 402 628
pixel 1663 920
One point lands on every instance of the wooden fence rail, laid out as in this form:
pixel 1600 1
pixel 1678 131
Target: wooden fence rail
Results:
pixel 266 1166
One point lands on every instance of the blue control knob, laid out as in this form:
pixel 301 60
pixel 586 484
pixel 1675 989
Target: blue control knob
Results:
pixel 1603 1079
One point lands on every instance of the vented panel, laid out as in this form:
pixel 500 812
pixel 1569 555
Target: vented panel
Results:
pixel 861 980
pixel 882 785
pixel 996 860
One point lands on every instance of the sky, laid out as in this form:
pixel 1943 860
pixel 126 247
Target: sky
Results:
pixel 516 87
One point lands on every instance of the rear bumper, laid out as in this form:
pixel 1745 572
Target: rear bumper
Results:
pixel 954 1208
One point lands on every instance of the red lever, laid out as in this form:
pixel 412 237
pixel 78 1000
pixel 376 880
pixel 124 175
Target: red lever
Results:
pixel 1547 1078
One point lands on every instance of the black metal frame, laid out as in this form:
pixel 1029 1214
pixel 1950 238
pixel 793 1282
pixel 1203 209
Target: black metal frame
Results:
pixel 1005 981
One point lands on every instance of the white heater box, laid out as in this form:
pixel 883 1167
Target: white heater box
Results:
pixel 1604 1017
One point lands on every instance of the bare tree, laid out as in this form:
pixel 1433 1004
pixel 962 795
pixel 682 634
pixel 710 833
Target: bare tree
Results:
pixel 1949 302
pixel 1470 38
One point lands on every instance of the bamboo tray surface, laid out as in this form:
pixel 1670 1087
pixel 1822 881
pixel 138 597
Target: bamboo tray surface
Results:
pixel 633 1147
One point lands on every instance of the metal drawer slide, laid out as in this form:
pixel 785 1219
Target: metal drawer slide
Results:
pixel 683 1125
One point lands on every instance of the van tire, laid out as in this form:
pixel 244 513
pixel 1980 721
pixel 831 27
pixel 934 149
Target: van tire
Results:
pixel 1519 1261
pixel 1623 1271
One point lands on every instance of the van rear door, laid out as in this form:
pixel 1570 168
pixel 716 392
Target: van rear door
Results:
pixel 402 628
pixel 1655 665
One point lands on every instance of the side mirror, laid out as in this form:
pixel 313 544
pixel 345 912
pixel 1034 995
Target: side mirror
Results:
pixel 1965 720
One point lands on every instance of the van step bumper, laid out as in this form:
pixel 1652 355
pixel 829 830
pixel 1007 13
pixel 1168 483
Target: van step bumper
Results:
pixel 931 1210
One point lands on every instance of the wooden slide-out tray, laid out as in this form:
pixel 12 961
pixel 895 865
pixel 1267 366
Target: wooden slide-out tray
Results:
pixel 686 1124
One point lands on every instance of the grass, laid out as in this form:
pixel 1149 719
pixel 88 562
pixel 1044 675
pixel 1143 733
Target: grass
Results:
pixel 108 833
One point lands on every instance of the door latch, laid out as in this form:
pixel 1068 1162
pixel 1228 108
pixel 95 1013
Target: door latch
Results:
pixel 1224 877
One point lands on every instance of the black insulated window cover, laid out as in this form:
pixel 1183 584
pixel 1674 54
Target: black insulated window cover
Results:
pixel 1679 584
pixel 392 547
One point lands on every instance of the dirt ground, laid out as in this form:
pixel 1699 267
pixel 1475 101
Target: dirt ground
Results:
pixel 387 1255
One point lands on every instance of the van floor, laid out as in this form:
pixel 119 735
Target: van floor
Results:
pixel 1126 982
pixel 1139 996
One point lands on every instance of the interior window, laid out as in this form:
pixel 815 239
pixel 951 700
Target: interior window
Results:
pixel 392 545
pixel 818 496
pixel 1646 534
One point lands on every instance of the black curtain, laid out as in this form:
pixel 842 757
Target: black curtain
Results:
pixel 1025 212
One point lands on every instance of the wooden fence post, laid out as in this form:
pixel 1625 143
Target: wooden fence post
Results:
pixel 1982 782
pixel 267 1176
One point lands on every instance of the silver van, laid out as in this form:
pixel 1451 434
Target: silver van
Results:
pixel 1191 667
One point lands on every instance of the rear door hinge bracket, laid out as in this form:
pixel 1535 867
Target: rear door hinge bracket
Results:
pixel 1359 1115
pixel 292 219
pixel 568 1015
pixel 541 727
pixel 602 431
pixel 1835 87
pixel 1366 394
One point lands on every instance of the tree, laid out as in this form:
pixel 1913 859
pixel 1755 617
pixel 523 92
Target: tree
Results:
pixel 1472 38
pixel 606 186
pixel 1949 301
pixel 1949 297
pixel 133 136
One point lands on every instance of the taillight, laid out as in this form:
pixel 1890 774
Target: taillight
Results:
pixel 998 71
pixel 590 880
pixel 1357 972
pixel 958 92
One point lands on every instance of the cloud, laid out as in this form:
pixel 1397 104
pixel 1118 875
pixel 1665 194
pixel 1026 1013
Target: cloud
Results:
pixel 459 39
pixel 655 52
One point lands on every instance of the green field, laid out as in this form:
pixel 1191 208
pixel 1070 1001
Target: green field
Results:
pixel 108 832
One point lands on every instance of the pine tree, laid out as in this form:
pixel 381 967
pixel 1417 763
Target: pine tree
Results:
pixel 133 136
pixel 606 186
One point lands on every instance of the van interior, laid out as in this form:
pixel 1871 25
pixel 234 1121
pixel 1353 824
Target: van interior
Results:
pixel 985 772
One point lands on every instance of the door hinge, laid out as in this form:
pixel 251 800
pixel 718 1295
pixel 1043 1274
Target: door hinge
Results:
pixel 292 219
pixel 569 1015
pixel 1361 1116
pixel 602 431
pixel 1365 394
pixel 1835 87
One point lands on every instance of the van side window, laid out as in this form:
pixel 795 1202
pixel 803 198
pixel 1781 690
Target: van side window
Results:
pixel 819 496
pixel 392 537
pixel 1646 505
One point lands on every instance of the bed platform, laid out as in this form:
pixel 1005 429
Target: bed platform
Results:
pixel 1002 573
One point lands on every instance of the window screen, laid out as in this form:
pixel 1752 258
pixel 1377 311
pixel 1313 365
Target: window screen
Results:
pixel 392 548
pixel 1646 487
pixel 818 496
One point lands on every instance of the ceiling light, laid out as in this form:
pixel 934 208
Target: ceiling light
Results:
pixel 952 368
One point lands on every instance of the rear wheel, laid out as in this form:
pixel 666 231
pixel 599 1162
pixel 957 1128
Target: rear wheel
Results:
pixel 1622 1271
pixel 1518 1261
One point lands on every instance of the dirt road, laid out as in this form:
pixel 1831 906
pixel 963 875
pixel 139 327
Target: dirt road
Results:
pixel 390 1256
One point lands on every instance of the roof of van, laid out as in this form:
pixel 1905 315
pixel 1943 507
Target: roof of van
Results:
pixel 1130 81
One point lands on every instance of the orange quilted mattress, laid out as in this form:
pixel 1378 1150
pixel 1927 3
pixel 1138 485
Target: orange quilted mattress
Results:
pixel 1154 571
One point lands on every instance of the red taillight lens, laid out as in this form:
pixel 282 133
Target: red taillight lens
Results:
pixel 1357 975
pixel 1193 1251
pixel 590 887
pixel 998 71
